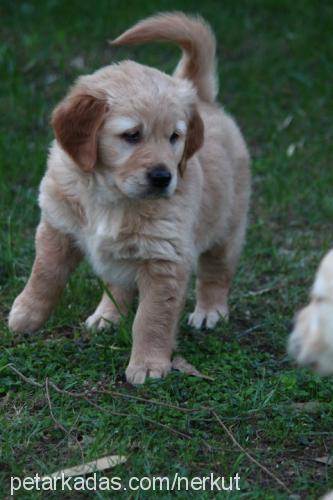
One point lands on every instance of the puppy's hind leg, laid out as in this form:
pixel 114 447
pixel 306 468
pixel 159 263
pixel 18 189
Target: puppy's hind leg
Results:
pixel 56 257
pixel 109 311
pixel 215 271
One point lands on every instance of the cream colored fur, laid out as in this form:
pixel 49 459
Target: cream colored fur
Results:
pixel 94 197
pixel 311 341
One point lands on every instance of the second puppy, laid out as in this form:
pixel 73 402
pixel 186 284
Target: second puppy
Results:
pixel 311 341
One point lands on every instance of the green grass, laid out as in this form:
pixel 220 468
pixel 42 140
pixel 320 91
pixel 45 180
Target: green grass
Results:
pixel 275 63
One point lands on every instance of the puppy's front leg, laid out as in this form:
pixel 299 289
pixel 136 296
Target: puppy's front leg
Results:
pixel 55 258
pixel 162 287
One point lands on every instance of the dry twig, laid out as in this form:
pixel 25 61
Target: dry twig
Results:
pixel 58 424
pixel 83 395
pixel 250 457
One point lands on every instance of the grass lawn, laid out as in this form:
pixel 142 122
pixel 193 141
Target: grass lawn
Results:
pixel 276 65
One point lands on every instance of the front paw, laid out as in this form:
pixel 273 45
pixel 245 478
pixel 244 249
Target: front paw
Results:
pixel 137 372
pixel 25 315
pixel 102 320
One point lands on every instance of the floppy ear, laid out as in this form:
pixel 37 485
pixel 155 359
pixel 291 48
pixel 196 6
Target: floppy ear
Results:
pixel 194 139
pixel 76 122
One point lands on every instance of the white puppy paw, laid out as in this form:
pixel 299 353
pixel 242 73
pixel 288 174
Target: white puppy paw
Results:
pixel 138 372
pixel 102 320
pixel 201 319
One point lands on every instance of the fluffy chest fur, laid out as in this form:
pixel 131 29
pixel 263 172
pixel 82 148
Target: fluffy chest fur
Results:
pixel 116 239
pixel 115 235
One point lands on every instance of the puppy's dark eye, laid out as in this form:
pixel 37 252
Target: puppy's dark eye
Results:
pixel 132 137
pixel 174 138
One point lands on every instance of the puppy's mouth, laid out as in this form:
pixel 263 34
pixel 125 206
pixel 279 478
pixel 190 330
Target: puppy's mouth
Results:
pixel 151 193
pixel 154 196
pixel 159 182
pixel 155 183
pixel 158 192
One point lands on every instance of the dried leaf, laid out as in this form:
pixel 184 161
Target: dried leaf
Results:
pixel 97 465
pixel 285 123
pixel 263 290
pixel 327 460
pixel 180 364
pixel 291 150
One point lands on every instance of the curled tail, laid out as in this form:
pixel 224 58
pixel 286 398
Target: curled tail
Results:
pixel 196 39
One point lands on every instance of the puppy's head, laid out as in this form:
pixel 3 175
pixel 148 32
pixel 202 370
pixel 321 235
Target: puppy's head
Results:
pixel 134 126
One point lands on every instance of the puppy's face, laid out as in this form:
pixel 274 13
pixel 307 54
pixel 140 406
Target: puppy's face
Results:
pixel 141 151
pixel 138 135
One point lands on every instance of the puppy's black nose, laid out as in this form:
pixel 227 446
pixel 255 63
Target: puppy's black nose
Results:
pixel 159 176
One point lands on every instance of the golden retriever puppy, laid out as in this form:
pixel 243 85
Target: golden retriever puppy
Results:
pixel 311 342
pixel 148 177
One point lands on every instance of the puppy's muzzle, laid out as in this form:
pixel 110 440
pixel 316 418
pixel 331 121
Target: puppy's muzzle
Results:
pixel 159 177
